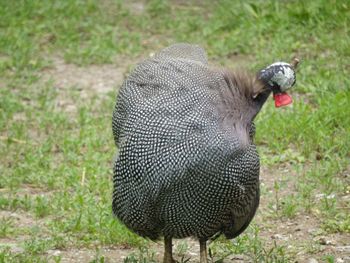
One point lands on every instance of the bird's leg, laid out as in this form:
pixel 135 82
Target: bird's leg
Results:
pixel 168 250
pixel 203 251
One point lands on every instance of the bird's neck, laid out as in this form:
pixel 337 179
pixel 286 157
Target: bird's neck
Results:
pixel 243 96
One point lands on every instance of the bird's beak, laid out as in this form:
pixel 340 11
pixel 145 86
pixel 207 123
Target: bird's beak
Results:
pixel 282 98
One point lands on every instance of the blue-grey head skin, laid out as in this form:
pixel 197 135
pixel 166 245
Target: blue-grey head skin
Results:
pixel 279 75
pixel 186 163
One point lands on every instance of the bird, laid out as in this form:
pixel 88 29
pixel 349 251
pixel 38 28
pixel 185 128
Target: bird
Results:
pixel 186 162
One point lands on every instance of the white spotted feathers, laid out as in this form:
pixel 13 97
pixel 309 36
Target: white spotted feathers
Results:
pixel 178 171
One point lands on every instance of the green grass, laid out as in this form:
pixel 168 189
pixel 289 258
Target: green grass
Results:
pixel 45 152
pixel 251 246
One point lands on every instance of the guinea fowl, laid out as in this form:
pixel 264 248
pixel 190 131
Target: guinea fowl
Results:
pixel 186 162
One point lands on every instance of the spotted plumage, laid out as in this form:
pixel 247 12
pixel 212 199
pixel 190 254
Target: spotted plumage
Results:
pixel 186 162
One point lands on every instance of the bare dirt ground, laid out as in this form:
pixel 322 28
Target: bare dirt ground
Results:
pixel 86 81
pixel 300 234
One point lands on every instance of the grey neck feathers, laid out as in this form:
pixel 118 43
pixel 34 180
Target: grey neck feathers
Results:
pixel 240 101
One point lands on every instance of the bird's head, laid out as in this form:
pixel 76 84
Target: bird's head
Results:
pixel 245 95
pixel 279 77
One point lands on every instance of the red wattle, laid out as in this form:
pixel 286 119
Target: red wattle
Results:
pixel 282 99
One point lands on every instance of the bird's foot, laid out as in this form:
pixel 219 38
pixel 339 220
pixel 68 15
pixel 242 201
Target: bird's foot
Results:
pixel 168 251
pixel 169 260
pixel 203 251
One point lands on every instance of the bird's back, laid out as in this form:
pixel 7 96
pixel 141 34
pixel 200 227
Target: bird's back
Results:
pixel 179 171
